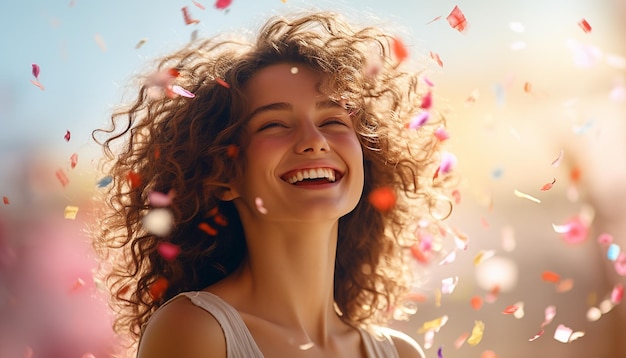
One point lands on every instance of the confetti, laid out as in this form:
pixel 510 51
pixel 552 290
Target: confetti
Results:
pixel 440 352
pixel 222 83
pixel 459 341
pixel 476 302
pixel 433 325
pixel 617 294
pixel 574 231
pixel 259 205
pixel 519 194
pixel 620 264
pixel 208 229
pixel 63 179
pixel 427 100
pixel 433 20
pixel 488 354
pixel 539 334
pixel 5 200
pixel 448 161
pixel 100 42
pixel 198 5
pixel 441 134
pixel 36 70
pixel 527 87
pixel 550 276
pixel 548 186
pixel 382 199
pixel 563 333
pixel 419 120
pixel 38 84
pixel 435 56
pixel 158 288
pixel 182 92
pixel 160 200
pixel 222 4
pixel 158 222
pixel 134 179
pixel 73 160
pixel 189 20
pixel 605 239
pixel 457 20
pixel 399 50
pixel 557 161
pixel 449 284
pixel 510 309
pixel 517 26
pixel 584 25
pixel 593 314
pixel 565 285
pixel 482 256
pixel 104 181
pixel 140 43
pixel 168 251
pixel 477 333
pixel 232 151
pixel 294 70
pixel 78 284
pixel 613 252
pixel 549 313
pixel 71 212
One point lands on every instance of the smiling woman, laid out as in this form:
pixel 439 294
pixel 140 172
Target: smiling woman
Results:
pixel 264 158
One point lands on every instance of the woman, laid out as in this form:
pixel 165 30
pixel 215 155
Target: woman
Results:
pixel 294 189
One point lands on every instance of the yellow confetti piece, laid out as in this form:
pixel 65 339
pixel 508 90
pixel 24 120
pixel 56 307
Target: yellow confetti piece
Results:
pixel 482 256
pixel 477 333
pixel 519 194
pixel 433 325
pixel 70 212
pixel 438 298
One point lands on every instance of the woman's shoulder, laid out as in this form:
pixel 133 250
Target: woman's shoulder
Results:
pixel 406 346
pixel 182 329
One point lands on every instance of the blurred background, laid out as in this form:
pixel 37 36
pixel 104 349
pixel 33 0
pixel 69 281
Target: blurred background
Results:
pixel 535 96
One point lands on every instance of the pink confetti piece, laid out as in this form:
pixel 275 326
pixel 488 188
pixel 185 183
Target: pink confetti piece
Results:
pixel 38 84
pixel 78 284
pixel 222 4
pixel 458 343
pixel 67 136
pixel 63 179
pixel 199 5
pixel 539 334
pixel 617 294
pixel 519 194
pixel 73 160
pixel 433 20
pixel 447 163
pixel 427 100
pixel 168 251
pixel 585 26
pixel 549 314
pixel 620 264
pixel 259 205
pixel 160 200
pixel 182 92
pixel 36 69
pixel 457 20
pixel 189 20
pixel 419 120
pixel 605 239
pixel 441 134
pixel 548 186
pixel 574 231
pixel 555 163
pixel 435 56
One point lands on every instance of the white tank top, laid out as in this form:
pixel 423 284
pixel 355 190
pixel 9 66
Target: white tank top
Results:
pixel 239 341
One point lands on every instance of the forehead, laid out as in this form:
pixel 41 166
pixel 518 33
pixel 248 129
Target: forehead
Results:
pixel 283 82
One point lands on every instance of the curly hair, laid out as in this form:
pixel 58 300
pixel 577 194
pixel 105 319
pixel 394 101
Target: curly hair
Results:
pixel 187 146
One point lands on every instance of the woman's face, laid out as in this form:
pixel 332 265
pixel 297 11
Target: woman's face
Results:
pixel 304 160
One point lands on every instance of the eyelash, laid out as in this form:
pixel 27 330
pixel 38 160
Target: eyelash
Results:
pixel 331 121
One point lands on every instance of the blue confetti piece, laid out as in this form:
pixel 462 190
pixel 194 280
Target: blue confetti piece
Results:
pixel 105 181
pixel 613 252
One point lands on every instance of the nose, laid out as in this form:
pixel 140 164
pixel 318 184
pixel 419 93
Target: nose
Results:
pixel 310 139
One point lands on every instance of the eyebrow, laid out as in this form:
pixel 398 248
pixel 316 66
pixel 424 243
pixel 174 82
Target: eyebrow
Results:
pixel 284 106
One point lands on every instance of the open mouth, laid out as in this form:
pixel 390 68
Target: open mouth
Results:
pixel 312 176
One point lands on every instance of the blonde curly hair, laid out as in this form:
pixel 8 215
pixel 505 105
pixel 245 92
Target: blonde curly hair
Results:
pixel 186 146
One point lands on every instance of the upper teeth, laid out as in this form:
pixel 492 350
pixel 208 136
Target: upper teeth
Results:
pixel 312 174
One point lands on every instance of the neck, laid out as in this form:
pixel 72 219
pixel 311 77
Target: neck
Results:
pixel 289 275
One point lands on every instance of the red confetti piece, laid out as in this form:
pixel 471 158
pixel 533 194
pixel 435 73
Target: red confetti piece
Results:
pixel 220 220
pixel 134 179
pixel 476 302
pixel 382 199
pixel 73 160
pixel 510 309
pixel 222 83
pixel 67 136
pixel 187 16
pixel 441 134
pixel 427 100
pixel 207 229
pixel 198 5
pixel 550 276
pixel 168 251
pixel 232 151
pixel 173 72
pixel 585 26
pixel 222 4
pixel 158 288
pixel 78 284
pixel 5 200
pixel 399 50
pixel 457 20
pixel 36 70
pixel 488 354
pixel 62 177
pixel 539 334
pixel 435 56
pixel 617 294
pixel 548 186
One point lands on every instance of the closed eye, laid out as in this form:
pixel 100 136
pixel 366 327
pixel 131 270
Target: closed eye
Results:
pixel 269 125
pixel 334 121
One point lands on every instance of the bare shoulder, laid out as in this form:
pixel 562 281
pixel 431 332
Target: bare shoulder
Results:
pixel 405 345
pixel 181 329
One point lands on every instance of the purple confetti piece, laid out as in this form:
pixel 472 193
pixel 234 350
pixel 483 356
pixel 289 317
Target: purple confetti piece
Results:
pixel 36 70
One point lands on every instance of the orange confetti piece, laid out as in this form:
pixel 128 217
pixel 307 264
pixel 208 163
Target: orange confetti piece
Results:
pixel 575 174
pixel 418 254
pixel 134 179
pixel 382 199
pixel 207 229
pixel 220 220
pixel 548 186
pixel 435 56
pixel 158 288
pixel 527 87
pixel 5 200
pixel 399 50
pixel 488 354
pixel 73 160
pixel 585 26
pixel 550 276
pixel 510 309
pixel 476 302
pixel 459 341
pixel 457 20
pixel 62 177
pixel 38 84
pixel 232 151
pixel 222 83
pixel 187 16
pixel 565 285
